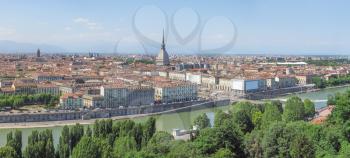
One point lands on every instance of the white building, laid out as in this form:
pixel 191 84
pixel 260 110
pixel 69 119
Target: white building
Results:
pixel 243 86
pixel 175 92
pixel 122 95
pixel 180 76
pixel 194 77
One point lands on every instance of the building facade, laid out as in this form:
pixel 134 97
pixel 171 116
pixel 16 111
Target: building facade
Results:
pixel 168 93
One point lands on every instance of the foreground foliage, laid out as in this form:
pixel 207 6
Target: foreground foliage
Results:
pixel 246 130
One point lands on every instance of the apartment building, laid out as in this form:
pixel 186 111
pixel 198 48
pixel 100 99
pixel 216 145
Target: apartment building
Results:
pixel 71 101
pixel 180 76
pixel 285 81
pixel 168 92
pixel 117 95
pixel 93 101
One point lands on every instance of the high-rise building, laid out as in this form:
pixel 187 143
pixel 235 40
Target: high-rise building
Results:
pixel 163 58
pixel 38 53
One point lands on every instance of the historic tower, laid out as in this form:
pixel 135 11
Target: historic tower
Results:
pixel 38 53
pixel 163 57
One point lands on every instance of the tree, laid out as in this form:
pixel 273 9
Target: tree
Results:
pixel 346 130
pixel 244 107
pixel 257 119
pixel 345 150
pixel 294 109
pixel 301 147
pixel 124 145
pixel 75 135
pixel 220 118
pixel 309 108
pixel 40 145
pixel 224 153
pixel 64 143
pixel 8 152
pixel 15 141
pixel 278 104
pixel 183 149
pixel 330 100
pixel 271 114
pixel 274 141
pixel 202 121
pixel 160 143
pixel 319 82
pixel 243 121
pixel 138 135
pixel 252 143
pixel 86 148
pixel 227 135
pixel 149 129
pixel 341 112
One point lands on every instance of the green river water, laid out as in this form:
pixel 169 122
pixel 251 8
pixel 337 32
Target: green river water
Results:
pixel 181 120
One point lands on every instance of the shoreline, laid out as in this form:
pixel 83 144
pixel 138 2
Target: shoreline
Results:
pixel 47 124
pixel 313 90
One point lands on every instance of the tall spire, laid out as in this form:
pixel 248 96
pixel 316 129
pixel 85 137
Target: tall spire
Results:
pixel 163 43
pixel 163 57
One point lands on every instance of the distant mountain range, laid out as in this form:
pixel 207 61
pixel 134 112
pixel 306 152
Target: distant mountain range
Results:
pixel 18 47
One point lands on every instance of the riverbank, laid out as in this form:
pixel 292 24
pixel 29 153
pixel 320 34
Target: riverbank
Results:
pixel 46 124
pixel 308 91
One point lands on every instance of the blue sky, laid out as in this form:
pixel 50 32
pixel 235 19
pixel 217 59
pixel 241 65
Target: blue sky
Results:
pixel 260 26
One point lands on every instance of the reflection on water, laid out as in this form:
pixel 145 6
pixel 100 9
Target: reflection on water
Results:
pixel 319 97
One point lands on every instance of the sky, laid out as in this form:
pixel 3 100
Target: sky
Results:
pixel 191 26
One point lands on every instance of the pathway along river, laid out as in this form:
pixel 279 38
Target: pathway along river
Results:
pixel 180 120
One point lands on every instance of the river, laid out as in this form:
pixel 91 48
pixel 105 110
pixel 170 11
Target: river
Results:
pixel 182 120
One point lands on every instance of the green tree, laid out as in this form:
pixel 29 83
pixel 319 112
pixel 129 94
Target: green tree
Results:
pixel 88 131
pixel 309 108
pixel 183 149
pixel 40 145
pixel 15 141
pixel 319 82
pixel 330 100
pixel 149 129
pixel 345 150
pixel 138 135
pixel 86 148
pixel 271 114
pixel 124 145
pixel 243 121
pixel 221 117
pixel 244 107
pixel 227 135
pixel 8 152
pixel 160 143
pixel 278 104
pixel 341 112
pixel 224 153
pixel 257 119
pixel 75 134
pixel 252 143
pixel 202 121
pixel 301 147
pixel 294 109
pixel 64 142
pixel 274 142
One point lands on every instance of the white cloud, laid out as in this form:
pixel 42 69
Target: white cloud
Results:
pixel 5 31
pixel 68 28
pixel 81 20
pixel 88 23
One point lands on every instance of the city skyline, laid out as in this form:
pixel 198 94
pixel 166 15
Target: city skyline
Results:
pixel 272 27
